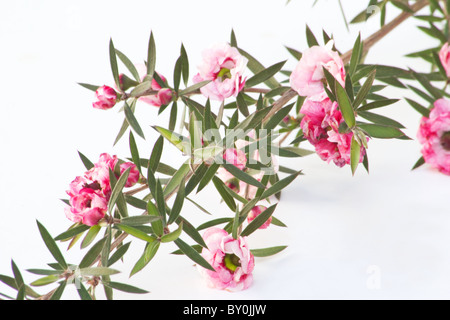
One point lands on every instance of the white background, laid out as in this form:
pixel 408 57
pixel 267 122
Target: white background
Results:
pixel 392 226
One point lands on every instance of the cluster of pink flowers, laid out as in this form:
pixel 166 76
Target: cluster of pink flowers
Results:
pixel 434 135
pixel 224 66
pixel 89 194
pixel 322 116
pixel 231 259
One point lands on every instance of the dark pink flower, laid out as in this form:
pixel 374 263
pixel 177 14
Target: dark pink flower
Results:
pixel 320 125
pixel 434 135
pixel 444 56
pixel 106 98
pixel 87 207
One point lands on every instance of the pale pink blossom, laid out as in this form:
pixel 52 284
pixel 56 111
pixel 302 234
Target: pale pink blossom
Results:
pixel 434 135
pixel 106 98
pixel 444 56
pixel 224 66
pixel 235 157
pixel 308 77
pixel 256 211
pixel 231 259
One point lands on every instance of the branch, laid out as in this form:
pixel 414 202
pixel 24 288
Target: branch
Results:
pixel 386 29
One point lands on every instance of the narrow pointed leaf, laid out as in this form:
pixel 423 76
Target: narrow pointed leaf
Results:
pixel 51 245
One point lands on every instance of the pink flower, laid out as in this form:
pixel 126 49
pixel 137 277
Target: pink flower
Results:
pixel 106 98
pixel 163 97
pixel 320 126
pixel 89 194
pixel 444 56
pixel 256 211
pixel 236 158
pixel 133 177
pixel 308 77
pixel 224 66
pixel 434 135
pixel 87 207
pixel 231 259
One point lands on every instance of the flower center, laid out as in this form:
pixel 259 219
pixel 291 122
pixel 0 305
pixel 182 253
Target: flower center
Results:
pixel 232 262
pixel 445 141
pixel 224 73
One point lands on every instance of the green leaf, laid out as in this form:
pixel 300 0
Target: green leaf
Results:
pixel 117 190
pixel 113 62
pixel 125 124
pixel 355 155
pixel 379 119
pixel 345 105
pixel 87 163
pixel 139 220
pixel 177 74
pixel 295 53
pixel 280 185
pixel 155 157
pixel 255 66
pixel 194 88
pixel 132 121
pixel 149 253
pixel 243 176
pixel 92 254
pixel 151 56
pixel 59 291
pixel 119 253
pixel 17 275
pixel 436 93
pixel 213 223
pixel 185 64
pixel 136 233
pixel 193 254
pixel 173 235
pixel 236 224
pixel 356 55
pixel 51 245
pixel 419 163
pixel 210 173
pixel 72 232
pixel 266 252
pixel 258 221
pixel 98 271
pixel 178 203
pixel 364 91
pixel 179 141
pixel 124 287
pixel 134 152
pixel 264 75
pixel 310 38
pixel 83 293
pixel 90 236
pixel 89 86
pixel 380 131
pixel 130 66
pixel 275 120
pixel 242 105
pixel 377 104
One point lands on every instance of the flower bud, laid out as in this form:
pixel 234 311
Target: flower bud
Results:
pixel 256 211
pixel 106 98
